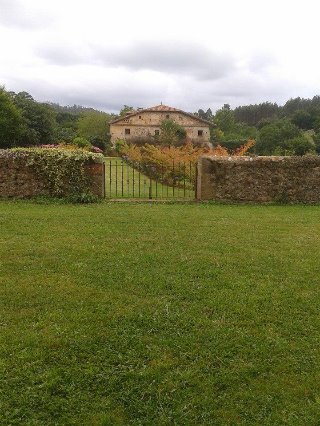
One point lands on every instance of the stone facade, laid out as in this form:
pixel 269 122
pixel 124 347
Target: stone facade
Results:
pixel 144 125
pixel 18 179
pixel 259 179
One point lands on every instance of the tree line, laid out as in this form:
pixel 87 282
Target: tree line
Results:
pixel 293 128
pixel 26 122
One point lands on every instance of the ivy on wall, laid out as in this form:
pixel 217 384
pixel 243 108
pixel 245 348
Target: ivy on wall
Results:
pixel 61 171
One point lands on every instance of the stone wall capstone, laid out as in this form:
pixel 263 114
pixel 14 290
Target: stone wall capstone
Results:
pixel 259 179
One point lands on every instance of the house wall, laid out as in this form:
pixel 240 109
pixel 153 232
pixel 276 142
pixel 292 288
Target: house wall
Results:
pixel 259 179
pixel 145 127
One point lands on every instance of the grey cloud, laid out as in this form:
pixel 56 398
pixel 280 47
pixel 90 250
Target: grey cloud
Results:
pixel 188 94
pixel 171 57
pixel 15 14
pixel 64 55
pixel 249 88
pixel 111 99
pixel 181 58
pixel 261 61
pixel 96 94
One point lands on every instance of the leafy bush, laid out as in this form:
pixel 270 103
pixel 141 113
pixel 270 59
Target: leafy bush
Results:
pixel 120 146
pixel 299 145
pixel 172 165
pixel 274 136
pixel 302 146
pixel 81 142
pixel 62 171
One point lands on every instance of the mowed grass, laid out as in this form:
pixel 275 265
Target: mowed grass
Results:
pixel 159 314
pixel 124 181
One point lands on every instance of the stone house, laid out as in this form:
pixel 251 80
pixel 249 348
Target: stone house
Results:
pixel 144 125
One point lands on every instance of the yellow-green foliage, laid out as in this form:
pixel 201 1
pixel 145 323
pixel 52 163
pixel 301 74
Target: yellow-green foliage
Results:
pixel 171 163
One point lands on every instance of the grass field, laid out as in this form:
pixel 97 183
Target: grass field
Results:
pixel 159 314
pixel 123 181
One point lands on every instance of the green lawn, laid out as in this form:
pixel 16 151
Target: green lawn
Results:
pixel 123 181
pixel 159 314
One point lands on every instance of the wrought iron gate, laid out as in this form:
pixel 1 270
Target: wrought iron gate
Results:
pixel 126 179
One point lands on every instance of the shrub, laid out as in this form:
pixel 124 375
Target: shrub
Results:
pixel 302 146
pixel 62 171
pixel 81 142
pixel 299 145
pixel 120 146
pixel 172 165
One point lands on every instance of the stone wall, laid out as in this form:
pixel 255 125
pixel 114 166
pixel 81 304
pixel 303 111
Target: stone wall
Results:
pixel 259 179
pixel 18 179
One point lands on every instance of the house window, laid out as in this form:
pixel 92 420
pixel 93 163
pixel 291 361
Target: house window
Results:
pixel 140 117
pixel 127 131
pixel 157 132
pixel 167 116
pixel 200 132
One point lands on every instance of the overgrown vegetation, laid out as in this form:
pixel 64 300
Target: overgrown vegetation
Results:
pixel 61 171
pixel 171 164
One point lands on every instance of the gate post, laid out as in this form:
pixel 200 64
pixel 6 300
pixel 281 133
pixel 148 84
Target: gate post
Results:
pixel 104 179
pixel 198 179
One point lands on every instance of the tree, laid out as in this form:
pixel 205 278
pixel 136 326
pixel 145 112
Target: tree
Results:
pixel 94 126
pixel 229 129
pixel 39 119
pixel 301 145
pixel 224 119
pixel 205 115
pixel 253 114
pixel 64 134
pixel 295 104
pixel 274 137
pixel 125 110
pixel 11 122
pixel 171 133
pixel 303 119
pixel 66 126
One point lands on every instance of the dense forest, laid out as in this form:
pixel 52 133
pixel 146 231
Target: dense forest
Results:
pixel 291 129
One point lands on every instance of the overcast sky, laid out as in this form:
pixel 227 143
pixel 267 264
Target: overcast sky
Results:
pixel 186 54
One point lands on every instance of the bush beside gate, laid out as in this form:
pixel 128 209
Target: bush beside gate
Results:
pixel 30 172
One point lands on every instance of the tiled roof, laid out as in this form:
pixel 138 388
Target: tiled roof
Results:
pixel 161 108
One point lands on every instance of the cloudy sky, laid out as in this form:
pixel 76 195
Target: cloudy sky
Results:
pixel 187 54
